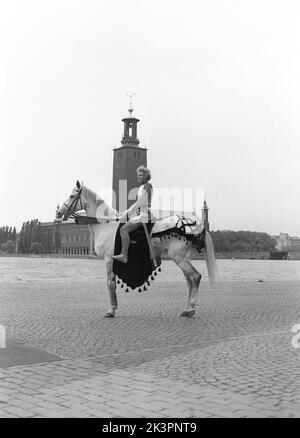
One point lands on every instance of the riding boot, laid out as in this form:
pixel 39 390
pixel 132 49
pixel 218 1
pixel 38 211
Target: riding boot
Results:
pixel 123 257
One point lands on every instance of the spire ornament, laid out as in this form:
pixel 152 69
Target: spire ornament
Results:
pixel 130 110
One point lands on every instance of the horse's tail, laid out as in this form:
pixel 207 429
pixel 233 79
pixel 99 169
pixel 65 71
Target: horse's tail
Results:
pixel 210 259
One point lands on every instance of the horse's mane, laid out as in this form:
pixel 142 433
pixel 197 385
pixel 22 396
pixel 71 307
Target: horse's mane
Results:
pixel 92 196
pixel 97 200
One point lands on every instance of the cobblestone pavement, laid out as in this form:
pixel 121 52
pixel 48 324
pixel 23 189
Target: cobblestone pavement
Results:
pixel 233 359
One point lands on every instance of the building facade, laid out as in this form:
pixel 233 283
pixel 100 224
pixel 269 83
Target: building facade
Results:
pixel 286 242
pixel 66 238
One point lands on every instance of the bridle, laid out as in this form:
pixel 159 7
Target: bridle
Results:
pixel 79 219
pixel 70 208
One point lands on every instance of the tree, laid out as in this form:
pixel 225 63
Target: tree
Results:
pixel 7 234
pixel 27 237
pixel 21 243
pixel 242 241
pixel 9 247
pixel 30 233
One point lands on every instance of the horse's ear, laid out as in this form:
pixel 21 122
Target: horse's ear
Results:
pixel 78 185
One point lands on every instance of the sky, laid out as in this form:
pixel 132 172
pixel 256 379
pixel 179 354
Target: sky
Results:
pixel 217 94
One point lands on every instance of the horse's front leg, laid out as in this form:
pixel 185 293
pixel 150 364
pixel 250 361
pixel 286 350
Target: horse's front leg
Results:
pixel 112 287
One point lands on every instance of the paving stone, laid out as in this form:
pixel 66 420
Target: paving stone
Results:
pixel 234 358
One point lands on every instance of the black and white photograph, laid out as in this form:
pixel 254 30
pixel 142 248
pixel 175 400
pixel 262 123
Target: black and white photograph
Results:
pixel 149 212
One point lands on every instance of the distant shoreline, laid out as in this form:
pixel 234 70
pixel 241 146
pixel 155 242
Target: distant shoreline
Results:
pixel 50 256
pixel 221 255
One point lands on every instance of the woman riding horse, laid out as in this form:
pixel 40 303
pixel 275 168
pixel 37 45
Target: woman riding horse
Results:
pixel 138 213
pixel 104 232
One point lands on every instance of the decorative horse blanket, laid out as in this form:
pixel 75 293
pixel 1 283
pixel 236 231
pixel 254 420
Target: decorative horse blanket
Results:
pixel 139 268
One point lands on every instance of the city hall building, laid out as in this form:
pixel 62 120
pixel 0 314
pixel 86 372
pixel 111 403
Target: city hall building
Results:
pixel 70 239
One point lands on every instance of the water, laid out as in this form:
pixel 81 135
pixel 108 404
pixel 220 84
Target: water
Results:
pixel 52 270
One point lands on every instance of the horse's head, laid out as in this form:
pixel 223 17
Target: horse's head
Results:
pixel 74 203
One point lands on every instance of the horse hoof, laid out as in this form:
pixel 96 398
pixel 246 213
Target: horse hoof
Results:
pixel 109 315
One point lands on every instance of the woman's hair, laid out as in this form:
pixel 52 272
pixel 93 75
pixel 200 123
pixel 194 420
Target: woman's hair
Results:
pixel 146 172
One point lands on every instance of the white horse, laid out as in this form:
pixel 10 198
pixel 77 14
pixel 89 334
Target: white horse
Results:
pixel 104 233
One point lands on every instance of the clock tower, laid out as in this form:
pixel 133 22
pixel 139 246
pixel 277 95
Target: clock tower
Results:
pixel 127 158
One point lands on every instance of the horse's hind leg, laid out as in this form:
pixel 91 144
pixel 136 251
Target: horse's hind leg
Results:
pixel 196 278
pixel 193 278
pixel 112 287
pixel 189 284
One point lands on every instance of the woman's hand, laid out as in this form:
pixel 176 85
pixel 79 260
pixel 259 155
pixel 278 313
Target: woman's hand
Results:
pixel 122 217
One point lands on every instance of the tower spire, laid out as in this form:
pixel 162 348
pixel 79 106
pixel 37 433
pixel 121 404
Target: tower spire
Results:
pixel 205 215
pixel 130 110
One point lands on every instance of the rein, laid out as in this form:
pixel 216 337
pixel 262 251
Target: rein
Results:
pixel 70 208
